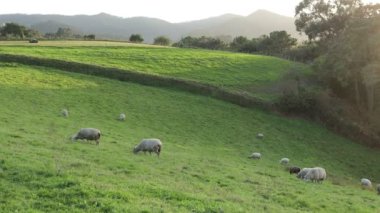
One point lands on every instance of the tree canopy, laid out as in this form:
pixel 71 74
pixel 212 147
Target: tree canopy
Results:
pixel 136 38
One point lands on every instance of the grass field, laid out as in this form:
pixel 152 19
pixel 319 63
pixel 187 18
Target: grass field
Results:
pixel 245 73
pixel 203 166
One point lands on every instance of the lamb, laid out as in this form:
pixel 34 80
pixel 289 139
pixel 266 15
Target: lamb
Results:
pixel 294 170
pixel 88 134
pixel 302 173
pixel 378 189
pixel 255 155
pixel 316 174
pixel 260 136
pixel 150 145
pixel 122 117
pixel 284 161
pixel 366 183
pixel 65 113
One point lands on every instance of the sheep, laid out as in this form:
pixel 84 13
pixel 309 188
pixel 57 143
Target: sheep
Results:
pixel 88 134
pixel 65 113
pixel 316 174
pixel 284 161
pixel 378 189
pixel 302 173
pixel 260 136
pixel 255 155
pixel 122 117
pixel 294 170
pixel 150 145
pixel 366 183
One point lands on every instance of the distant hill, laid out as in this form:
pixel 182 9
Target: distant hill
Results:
pixel 112 27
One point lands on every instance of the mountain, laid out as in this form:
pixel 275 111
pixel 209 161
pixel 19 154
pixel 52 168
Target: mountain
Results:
pixel 113 27
pixel 254 25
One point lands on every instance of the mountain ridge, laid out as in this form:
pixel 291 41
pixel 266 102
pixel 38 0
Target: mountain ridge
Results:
pixel 108 26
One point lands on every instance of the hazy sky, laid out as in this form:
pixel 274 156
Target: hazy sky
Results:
pixel 169 10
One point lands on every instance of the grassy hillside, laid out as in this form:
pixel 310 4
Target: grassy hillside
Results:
pixel 248 74
pixel 203 166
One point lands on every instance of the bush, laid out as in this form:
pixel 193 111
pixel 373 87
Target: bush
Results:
pixel 161 40
pixel 304 102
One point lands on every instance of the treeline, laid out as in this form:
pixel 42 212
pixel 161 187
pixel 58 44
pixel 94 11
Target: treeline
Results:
pixel 344 47
pixel 14 31
pixel 276 43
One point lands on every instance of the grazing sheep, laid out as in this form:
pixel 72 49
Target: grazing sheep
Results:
pixel 260 136
pixel 88 134
pixel 284 161
pixel 294 170
pixel 316 174
pixel 65 113
pixel 122 117
pixel 149 145
pixel 255 155
pixel 366 183
pixel 302 173
pixel 378 189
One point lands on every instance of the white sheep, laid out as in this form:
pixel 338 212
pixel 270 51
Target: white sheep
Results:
pixel 260 136
pixel 122 117
pixel 255 155
pixel 284 161
pixel 366 183
pixel 302 173
pixel 316 174
pixel 65 113
pixel 88 134
pixel 378 189
pixel 149 145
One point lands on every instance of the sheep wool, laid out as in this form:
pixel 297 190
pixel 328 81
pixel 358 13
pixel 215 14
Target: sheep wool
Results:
pixel 255 155
pixel 284 161
pixel 366 183
pixel 149 145
pixel 65 113
pixel 303 173
pixel 87 134
pixel 260 136
pixel 122 117
pixel 316 174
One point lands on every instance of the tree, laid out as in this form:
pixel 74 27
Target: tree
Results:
pixel 161 40
pixel 13 29
pixel 136 38
pixel 64 32
pixel 238 43
pixel 89 37
pixel 321 20
pixel 351 65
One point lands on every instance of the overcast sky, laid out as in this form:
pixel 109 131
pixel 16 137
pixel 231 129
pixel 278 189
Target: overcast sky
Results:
pixel 169 10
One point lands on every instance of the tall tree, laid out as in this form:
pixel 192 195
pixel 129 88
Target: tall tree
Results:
pixel 351 65
pixel 324 19
pixel 13 29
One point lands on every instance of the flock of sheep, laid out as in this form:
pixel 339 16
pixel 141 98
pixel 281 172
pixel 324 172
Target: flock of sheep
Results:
pixel 146 145
pixel 316 174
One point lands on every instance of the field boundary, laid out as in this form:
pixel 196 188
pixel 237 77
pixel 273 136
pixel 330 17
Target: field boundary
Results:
pixel 142 78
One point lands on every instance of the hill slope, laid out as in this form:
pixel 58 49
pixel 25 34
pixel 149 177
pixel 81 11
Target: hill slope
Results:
pixel 113 27
pixel 245 73
pixel 203 166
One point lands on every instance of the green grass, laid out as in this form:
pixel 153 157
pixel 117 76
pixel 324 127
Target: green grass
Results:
pixel 203 166
pixel 244 73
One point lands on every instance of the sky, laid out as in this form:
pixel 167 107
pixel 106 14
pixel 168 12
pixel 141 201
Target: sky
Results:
pixel 169 10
